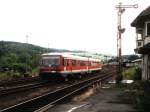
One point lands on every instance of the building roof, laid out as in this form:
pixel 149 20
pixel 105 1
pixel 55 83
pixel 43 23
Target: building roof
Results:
pixel 71 56
pixel 137 60
pixel 145 49
pixel 141 18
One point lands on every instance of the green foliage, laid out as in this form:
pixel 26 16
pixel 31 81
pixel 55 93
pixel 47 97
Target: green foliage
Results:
pixel 18 58
pixel 129 73
pixel 21 67
pixel 133 73
pixel 138 75
pixel 8 75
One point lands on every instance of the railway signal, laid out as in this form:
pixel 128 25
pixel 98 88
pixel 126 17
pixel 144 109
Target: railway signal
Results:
pixel 121 8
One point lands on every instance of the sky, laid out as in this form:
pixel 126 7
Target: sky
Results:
pixel 89 25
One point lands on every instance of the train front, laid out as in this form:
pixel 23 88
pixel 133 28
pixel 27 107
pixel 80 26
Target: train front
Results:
pixel 50 66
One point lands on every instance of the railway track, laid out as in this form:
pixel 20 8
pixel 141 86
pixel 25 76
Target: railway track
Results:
pixel 43 102
pixel 21 88
pixel 11 83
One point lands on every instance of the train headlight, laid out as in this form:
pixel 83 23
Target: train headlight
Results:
pixel 53 71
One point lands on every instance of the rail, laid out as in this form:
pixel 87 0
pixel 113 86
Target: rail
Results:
pixel 18 81
pixel 21 88
pixel 42 103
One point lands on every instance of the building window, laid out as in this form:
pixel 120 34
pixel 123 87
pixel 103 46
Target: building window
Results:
pixel 139 33
pixel 147 28
pixel 139 44
pixel 139 36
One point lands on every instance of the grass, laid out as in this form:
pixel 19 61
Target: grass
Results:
pixel 133 73
pixel 129 73
pixel 8 75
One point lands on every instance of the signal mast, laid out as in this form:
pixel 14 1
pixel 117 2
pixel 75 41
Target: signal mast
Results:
pixel 121 8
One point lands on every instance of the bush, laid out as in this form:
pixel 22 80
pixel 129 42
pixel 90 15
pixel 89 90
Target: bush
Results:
pixel 21 67
pixel 133 73
pixel 138 74
pixel 8 75
pixel 17 75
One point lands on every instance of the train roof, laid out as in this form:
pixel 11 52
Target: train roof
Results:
pixel 71 56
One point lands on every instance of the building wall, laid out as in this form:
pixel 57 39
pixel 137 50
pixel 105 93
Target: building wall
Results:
pixel 146 67
pixel 146 57
pixel 147 40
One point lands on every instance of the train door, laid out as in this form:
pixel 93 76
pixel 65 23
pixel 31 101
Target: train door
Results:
pixel 65 65
pixel 69 67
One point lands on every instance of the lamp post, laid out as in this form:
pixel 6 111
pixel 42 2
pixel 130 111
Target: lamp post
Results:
pixel 121 8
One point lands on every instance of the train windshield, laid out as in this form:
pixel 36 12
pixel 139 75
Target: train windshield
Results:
pixel 50 61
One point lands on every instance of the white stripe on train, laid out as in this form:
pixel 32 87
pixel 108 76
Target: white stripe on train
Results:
pixel 79 71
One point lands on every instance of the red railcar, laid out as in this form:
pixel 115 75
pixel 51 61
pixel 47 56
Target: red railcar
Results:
pixel 65 65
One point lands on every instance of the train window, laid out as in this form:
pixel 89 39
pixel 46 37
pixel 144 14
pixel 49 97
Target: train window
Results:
pixel 50 61
pixel 94 63
pixel 45 62
pixel 66 62
pixel 78 63
pixel 41 62
pixel 54 61
pixel 74 63
pixel 82 63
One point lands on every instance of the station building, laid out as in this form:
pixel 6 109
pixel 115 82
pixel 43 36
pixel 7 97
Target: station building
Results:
pixel 142 25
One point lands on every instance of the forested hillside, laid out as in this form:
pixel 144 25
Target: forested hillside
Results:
pixel 20 57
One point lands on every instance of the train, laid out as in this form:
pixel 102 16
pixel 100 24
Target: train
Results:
pixel 66 65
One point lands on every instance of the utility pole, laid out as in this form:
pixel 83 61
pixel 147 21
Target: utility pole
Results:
pixel 26 54
pixel 121 8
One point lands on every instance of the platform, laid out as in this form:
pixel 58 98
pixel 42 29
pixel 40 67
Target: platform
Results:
pixel 101 100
